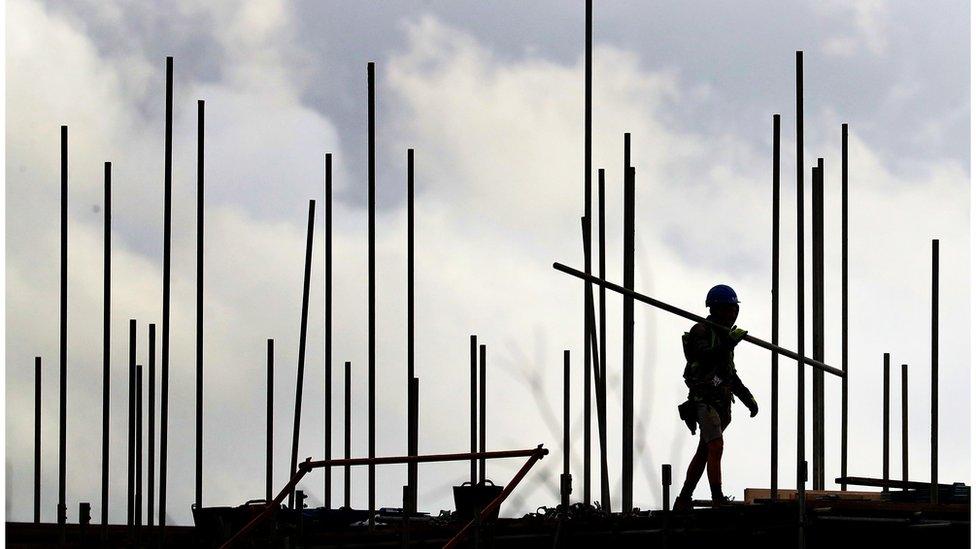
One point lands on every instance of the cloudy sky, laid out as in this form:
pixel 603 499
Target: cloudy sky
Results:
pixel 490 96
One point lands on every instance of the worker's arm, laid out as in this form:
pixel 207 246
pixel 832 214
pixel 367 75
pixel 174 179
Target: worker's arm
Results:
pixel 743 393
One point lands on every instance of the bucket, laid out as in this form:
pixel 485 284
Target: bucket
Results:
pixel 470 497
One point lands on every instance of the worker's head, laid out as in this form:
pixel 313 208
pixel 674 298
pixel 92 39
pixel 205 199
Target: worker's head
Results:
pixel 723 304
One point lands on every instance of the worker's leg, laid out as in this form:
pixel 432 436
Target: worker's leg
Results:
pixel 695 469
pixel 711 428
pixel 714 452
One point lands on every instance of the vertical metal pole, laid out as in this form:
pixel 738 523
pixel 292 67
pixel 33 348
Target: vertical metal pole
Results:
pixel 934 489
pixel 602 231
pixel 411 396
pixel 63 364
pixel 130 491
pixel 843 307
pixel 269 424
pixel 627 467
pixel 414 416
pixel 886 407
pixel 565 482
pixel 474 407
pixel 301 349
pixel 801 338
pixel 904 424
pixel 587 260
pixel 37 439
pixel 151 473
pixel 371 276
pixel 818 326
pixel 327 499
pixel 167 231
pixel 347 435
pixel 106 339
pixel 483 422
pixel 774 371
pixel 666 486
pixel 199 328
pixel 138 500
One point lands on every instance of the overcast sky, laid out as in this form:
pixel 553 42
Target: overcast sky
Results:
pixel 490 95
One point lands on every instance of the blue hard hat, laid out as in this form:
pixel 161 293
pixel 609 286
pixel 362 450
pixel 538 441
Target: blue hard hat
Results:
pixel 720 295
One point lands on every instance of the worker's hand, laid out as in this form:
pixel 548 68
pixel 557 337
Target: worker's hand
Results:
pixel 736 334
pixel 753 407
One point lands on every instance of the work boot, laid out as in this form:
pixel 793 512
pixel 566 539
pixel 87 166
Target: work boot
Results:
pixel 682 504
pixel 720 500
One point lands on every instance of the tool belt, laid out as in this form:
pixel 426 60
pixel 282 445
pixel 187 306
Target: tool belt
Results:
pixel 688 412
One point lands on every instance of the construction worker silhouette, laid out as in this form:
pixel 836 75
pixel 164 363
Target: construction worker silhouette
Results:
pixel 712 381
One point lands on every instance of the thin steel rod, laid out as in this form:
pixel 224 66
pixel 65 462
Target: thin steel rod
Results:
pixel 843 306
pixel 300 377
pixel 587 256
pixel 411 396
pixel 167 232
pixel 934 457
pixel 371 277
pixel 627 396
pixel 602 231
pixel 473 405
pixel 564 485
pixel 904 422
pixel 37 439
pixel 666 486
pixel 63 363
pixel 131 449
pixel 691 316
pixel 800 314
pixel 151 465
pixel 429 458
pixel 106 339
pixel 327 499
pixel 482 407
pixel 596 349
pixel 818 325
pixel 138 498
pixel 414 416
pixel 347 435
pixel 199 327
pixel 495 503
pixel 886 407
pixel 269 424
pixel 774 330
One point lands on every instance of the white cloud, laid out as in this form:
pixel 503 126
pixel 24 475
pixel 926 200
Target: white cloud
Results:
pixel 869 27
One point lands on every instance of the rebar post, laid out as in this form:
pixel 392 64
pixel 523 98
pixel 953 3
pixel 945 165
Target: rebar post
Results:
pixel 269 424
pixel 774 331
pixel 818 325
pixel 627 419
pixel 198 478
pixel 167 236
pixel 801 337
pixel 327 498
pixel 843 308
pixel 886 407
pixel 371 276
pixel 106 340
pixel 934 490
pixel 151 459
pixel 63 364
pixel 300 377
pixel 37 439
pixel 483 406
